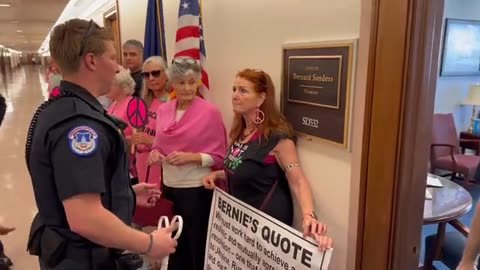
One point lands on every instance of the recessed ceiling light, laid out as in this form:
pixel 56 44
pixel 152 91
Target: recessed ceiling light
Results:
pixel 19 31
pixel 4 5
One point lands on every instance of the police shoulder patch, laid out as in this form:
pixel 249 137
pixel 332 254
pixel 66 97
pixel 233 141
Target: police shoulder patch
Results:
pixel 83 140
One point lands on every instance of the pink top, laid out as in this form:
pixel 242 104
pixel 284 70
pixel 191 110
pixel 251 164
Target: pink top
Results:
pixel 143 151
pixel 119 110
pixel 200 130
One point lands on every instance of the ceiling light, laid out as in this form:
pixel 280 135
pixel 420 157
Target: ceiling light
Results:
pixel 4 5
pixel 19 31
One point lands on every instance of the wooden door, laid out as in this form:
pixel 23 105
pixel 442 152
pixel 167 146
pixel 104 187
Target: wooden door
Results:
pixel 112 22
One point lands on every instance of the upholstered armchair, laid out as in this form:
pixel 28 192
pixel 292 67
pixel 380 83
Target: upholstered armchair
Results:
pixel 445 150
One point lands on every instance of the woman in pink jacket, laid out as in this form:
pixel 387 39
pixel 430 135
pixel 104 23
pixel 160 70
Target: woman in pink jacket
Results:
pixel 190 142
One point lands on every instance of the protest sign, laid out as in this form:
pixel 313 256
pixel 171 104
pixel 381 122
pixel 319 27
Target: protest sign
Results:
pixel 241 237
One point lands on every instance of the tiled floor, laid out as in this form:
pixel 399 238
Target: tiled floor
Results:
pixel 24 90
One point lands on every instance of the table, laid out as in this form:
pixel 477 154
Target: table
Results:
pixel 475 146
pixel 448 203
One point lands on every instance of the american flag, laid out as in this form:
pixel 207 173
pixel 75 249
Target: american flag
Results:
pixel 189 41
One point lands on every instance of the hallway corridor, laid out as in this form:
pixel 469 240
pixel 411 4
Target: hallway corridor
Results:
pixel 24 89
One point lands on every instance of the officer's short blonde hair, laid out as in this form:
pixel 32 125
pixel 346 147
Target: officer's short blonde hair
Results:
pixel 67 38
pixel 124 81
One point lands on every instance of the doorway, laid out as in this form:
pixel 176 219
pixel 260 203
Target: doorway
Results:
pixel 112 22
pixel 402 69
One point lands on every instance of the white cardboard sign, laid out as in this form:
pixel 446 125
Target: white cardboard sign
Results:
pixel 241 237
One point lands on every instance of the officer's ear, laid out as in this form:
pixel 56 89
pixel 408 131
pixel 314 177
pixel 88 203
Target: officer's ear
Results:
pixel 90 61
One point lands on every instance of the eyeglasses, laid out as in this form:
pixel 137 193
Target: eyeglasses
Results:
pixel 154 73
pixel 92 26
pixel 182 60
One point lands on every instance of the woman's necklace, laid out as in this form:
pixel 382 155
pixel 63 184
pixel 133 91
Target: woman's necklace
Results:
pixel 162 98
pixel 247 133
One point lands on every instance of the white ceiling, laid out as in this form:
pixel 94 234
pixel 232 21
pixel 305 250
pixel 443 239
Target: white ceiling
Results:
pixel 33 17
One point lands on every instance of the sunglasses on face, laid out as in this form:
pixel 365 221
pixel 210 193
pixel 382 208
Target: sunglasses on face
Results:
pixel 92 27
pixel 154 73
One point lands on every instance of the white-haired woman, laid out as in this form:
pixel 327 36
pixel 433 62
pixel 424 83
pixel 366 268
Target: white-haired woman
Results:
pixel 190 142
pixel 121 93
pixel 154 93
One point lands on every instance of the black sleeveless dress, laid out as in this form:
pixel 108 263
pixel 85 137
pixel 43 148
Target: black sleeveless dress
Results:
pixel 251 173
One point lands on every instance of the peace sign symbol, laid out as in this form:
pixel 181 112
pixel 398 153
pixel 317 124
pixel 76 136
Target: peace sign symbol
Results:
pixel 137 113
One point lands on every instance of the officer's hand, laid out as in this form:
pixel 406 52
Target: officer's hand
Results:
pixel 466 266
pixel 142 138
pixel 6 230
pixel 209 181
pixel 163 243
pixel 181 158
pixel 147 194
pixel 155 157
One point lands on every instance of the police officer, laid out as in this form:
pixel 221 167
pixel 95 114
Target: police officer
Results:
pixel 77 159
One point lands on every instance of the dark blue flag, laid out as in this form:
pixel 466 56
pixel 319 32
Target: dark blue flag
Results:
pixel 155 31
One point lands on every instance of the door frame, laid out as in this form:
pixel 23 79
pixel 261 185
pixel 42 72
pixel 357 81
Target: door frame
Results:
pixel 114 13
pixel 402 71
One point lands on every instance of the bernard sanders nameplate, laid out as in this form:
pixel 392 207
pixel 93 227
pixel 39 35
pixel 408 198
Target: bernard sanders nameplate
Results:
pixel 316 90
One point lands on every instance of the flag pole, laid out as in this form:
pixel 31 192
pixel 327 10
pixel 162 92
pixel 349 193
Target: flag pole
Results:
pixel 159 4
pixel 200 81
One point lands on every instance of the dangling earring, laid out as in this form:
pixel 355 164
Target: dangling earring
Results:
pixel 259 116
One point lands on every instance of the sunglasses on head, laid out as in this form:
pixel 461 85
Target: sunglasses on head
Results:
pixel 257 70
pixel 154 73
pixel 182 60
pixel 92 27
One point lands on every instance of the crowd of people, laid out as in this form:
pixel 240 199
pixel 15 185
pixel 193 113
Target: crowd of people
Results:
pixel 89 186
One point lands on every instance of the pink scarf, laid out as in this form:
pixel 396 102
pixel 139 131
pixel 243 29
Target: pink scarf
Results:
pixel 200 130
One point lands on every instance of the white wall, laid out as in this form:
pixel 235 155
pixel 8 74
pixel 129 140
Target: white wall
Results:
pixel 250 33
pixel 96 10
pixel 451 91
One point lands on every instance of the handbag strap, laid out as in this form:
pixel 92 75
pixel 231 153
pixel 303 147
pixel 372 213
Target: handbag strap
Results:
pixel 161 182
pixel 148 174
pixel 269 196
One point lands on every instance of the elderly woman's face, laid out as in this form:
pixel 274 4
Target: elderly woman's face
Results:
pixel 186 88
pixel 115 92
pixel 154 76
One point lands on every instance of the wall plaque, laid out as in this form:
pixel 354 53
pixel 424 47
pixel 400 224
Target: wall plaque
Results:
pixel 316 89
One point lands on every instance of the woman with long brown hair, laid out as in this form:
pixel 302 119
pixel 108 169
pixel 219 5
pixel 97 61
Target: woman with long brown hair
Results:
pixel 261 165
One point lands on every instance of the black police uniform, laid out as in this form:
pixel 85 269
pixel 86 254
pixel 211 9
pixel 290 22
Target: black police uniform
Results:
pixel 73 148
